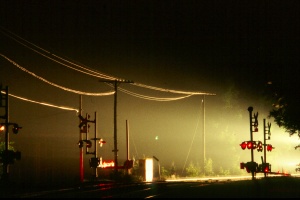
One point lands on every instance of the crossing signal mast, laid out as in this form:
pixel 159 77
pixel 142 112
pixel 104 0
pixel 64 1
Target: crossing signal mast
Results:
pixel 253 167
pixel 84 127
pixel 8 156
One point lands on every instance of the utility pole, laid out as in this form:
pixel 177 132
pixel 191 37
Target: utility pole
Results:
pixel 81 171
pixel 204 158
pixel 116 82
pixel 5 172
pixel 7 156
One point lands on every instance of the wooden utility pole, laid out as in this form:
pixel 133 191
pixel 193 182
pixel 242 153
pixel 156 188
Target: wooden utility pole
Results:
pixel 204 157
pixel 115 150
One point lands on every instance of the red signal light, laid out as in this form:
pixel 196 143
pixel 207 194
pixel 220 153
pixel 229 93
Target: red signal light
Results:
pixel 266 169
pixel 243 145
pixel 269 147
pixel 254 145
pixel 101 142
pixel 88 144
pixel 249 145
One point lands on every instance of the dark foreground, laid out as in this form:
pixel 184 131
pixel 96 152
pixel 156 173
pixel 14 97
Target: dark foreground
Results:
pixel 270 187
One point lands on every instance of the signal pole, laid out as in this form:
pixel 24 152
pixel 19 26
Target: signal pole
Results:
pixel 267 131
pixel 7 155
pixel 204 158
pixel 81 171
pixel 255 125
pixel 5 172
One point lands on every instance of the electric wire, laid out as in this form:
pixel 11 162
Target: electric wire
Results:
pixel 172 91
pixel 96 73
pixel 42 103
pixel 55 85
pixel 153 98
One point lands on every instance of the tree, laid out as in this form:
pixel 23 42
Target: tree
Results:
pixel 193 170
pixel 208 167
pixel 223 172
pixel 285 101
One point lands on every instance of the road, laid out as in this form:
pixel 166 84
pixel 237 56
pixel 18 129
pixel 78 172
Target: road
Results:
pixel 269 187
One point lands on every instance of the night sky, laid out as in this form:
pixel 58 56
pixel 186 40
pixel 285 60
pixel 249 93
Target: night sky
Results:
pixel 193 46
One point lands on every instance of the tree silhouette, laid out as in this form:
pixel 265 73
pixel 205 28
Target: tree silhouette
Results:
pixel 285 100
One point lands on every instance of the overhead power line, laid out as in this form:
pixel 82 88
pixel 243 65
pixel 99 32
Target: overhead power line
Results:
pixel 55 85
pixel 95 73
pixel 48 54
pixel 43 103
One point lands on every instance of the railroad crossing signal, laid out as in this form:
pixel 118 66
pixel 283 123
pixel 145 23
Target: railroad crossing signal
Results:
pixel 259 146
pixel 101 142
pixel 251 145
pixel 270 147
pixel 87 142
pixel 243 145
pixel 16 128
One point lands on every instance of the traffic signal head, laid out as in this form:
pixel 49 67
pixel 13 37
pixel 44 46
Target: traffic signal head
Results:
pixel 83 125
pixel 255 129
pixel 266 168
pixel 88 143
pixel 242 165
pixel 80 144
pixel 249 145
pixel 269 147
pixel 16 128
pixel 251 167
pixel 84 128
pixel 254 146
pixel 259 146
pixel 243 145
pixel 101 142
pixel 94 162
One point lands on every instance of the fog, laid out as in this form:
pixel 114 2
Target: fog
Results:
pixel 227 49
pixel 171 131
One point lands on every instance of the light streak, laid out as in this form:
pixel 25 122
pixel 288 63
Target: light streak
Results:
pixel 42 103
pixel 55 85
pixel 102 75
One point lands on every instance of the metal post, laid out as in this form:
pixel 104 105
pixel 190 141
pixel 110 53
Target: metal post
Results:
pixel 127 139
pixel 81 171
pixel 204 157
pixel 5 173
pixel 127 143
pixel 115 127
pixel 250 109
pixel 265 155
pixel 95 143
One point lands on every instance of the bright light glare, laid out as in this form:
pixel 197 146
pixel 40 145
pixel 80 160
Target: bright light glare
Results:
pixel 149 169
